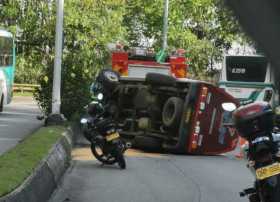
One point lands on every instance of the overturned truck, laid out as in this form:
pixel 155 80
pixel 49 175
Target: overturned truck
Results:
pixel 179 115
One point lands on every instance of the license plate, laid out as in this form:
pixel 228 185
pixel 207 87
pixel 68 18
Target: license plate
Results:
pixel 268 171
pixel 112 136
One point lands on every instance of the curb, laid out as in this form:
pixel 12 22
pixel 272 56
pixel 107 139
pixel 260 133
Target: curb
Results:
pixel 39 186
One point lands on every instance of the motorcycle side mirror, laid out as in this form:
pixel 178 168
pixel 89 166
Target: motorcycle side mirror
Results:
pixel 229 106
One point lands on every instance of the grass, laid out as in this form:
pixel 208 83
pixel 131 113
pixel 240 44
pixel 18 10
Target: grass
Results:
pixel 19 163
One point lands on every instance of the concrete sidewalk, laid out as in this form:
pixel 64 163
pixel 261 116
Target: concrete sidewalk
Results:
pixel 17 121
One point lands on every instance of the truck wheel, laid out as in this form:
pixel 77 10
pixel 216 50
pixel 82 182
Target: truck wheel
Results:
pixel 108 78
pixel 147 143
pixel 160 79
pixel 172 112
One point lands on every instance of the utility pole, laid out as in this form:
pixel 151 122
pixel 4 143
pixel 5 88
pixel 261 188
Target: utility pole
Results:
pixel 56 117
pixel 56 100
pixel 165 25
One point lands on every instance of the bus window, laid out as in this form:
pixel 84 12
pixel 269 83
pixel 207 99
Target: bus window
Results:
pixel 7 67
pixel 268 95
pixel 6 51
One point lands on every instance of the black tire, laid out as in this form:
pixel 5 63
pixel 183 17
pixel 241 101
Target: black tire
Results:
pixel 172 112
pixel 147 143
pixel 108 78
pixel 2 103
pixel 160 79
pixel 254 198
pixel 121 160
pixel 98 152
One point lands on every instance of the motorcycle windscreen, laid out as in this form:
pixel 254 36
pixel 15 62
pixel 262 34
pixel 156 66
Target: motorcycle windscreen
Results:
pixel 211 135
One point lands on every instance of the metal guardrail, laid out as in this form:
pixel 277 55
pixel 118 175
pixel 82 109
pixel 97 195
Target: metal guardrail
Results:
pixel 24 87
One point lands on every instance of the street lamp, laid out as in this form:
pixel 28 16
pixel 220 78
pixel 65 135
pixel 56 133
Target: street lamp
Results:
pixel 165 24
pixel 56 117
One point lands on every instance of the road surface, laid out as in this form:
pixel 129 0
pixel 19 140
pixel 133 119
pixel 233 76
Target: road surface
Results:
pixel 154 178
pixel 16 121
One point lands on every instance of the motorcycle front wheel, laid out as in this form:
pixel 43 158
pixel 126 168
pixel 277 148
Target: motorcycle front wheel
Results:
pixel 100 153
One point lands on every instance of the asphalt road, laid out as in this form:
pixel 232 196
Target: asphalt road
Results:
pixel 154 178
pixel 17 121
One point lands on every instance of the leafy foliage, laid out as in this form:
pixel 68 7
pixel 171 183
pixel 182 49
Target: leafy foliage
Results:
pixel 202 27
pixel 85 52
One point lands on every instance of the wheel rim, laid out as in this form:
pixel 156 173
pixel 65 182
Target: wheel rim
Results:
pixel 111 76
pixel 169 113
pixel 102 156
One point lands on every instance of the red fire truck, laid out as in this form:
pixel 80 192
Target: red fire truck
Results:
pixel 159 108
pixel 139 62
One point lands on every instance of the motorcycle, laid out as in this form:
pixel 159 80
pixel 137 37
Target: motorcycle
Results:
pixel 100 129
pixel 254 122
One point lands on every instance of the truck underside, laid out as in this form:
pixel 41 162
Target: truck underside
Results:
pixel 151 108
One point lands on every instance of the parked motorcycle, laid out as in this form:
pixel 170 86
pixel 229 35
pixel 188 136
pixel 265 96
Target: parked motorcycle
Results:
pixel 100 129
pixel 254 122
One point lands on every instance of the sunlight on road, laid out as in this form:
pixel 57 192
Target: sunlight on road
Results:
pixel 84 154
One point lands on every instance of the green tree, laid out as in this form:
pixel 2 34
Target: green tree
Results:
pixel 204 28
pixel 87 31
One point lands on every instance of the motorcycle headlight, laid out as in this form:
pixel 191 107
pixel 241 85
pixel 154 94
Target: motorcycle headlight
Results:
pixel 100 96
pixel 84 121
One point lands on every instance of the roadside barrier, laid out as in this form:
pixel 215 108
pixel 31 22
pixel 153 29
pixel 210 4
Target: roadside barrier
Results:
pixel 24 87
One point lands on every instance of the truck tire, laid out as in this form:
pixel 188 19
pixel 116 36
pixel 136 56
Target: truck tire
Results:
pixel 160 79
pixel 172 112
pixel 147 143
pixel 108 78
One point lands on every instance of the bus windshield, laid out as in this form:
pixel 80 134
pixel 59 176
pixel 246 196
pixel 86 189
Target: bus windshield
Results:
pixel 246 69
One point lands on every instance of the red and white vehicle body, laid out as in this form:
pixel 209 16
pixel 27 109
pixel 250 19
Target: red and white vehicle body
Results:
pixel 172 112
pixel 139 62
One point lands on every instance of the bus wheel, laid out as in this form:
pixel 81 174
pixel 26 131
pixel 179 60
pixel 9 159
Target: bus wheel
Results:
pixel 172 112
pixel 2 103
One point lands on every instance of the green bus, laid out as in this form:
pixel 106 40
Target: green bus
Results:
pixel 7 67
pixel 249 79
